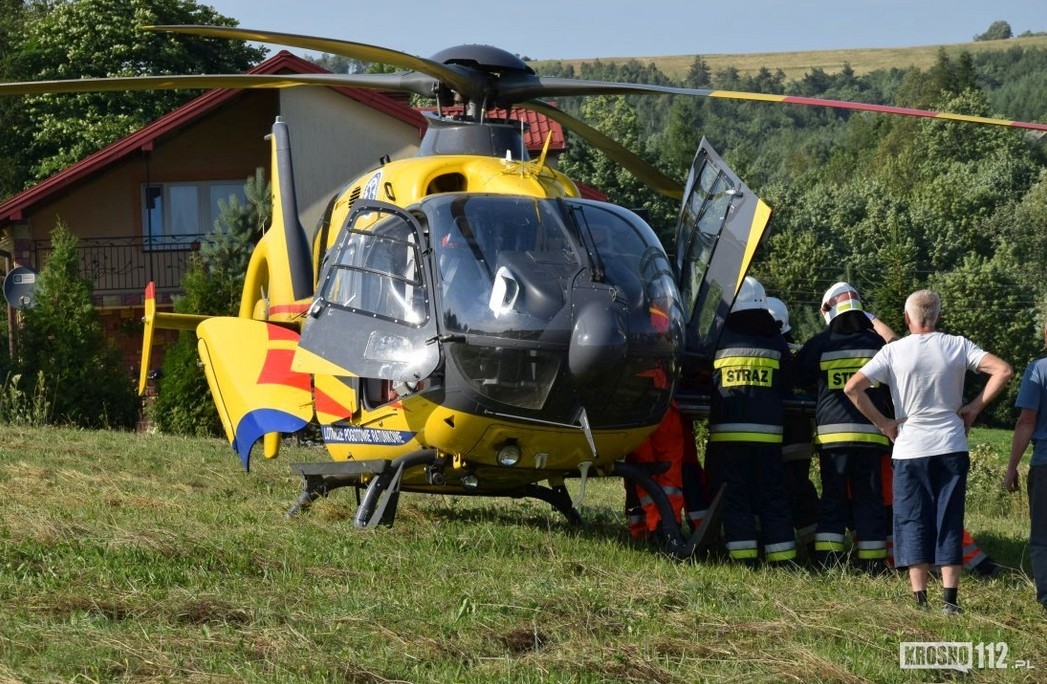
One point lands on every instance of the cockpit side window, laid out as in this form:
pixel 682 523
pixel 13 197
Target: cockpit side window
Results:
pixel 376 271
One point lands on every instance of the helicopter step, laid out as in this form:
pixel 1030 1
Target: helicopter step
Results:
pixel 319 479
pixel 382 477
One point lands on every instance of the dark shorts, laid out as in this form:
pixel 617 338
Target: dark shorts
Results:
pixel 928 509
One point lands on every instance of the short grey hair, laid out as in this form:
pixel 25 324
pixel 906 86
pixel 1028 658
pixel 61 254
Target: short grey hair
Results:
pixel 924 307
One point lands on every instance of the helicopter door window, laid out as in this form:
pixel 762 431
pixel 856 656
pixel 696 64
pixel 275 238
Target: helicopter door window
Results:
pixel 376 272
pixel 371 317
pixel 706 208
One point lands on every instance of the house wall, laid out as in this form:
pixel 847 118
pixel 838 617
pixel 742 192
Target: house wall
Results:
pixel 227 144
pixel 334 139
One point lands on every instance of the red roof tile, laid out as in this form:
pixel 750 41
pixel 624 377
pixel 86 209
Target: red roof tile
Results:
pixel 539 126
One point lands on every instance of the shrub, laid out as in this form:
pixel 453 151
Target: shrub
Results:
pixel 18 407
pixel 63 357
pixel 984 484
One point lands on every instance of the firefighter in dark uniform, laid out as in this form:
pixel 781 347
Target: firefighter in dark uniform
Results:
pixel 850 448
pixel 751 374
pixel 797 452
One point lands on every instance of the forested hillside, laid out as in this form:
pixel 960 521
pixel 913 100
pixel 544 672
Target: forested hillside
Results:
pixel 886 202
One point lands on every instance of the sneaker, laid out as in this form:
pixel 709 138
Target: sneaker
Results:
pixel 951 609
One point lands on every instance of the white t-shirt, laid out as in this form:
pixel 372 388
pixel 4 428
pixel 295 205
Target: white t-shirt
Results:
pixel 925 373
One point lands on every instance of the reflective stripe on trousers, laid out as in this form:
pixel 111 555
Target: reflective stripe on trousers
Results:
pixel 828 541
pixel 745 432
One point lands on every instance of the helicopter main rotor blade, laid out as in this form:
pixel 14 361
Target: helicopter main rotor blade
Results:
pixel 457 79
pixel 412 82
pixel 643 171
pixel 564 87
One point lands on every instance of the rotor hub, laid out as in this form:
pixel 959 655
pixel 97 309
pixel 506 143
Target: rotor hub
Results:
pixel 483 57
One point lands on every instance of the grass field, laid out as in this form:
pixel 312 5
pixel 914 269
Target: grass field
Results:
pixel 147 558
pixel 796 64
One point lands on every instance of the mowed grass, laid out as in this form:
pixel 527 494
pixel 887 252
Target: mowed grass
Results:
pixel 148 558
pixel 796 64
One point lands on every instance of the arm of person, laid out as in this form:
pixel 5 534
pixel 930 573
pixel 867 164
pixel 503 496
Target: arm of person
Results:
pixel 999 372
pixel 855 391
pixel 883 330
pixel 1023 429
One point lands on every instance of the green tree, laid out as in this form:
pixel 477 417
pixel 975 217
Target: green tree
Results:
pixel 338 64
pixel 985 300
pixel 1021 228
pixel 212 285
pixel 613 116
pixel 103 38
pixel 62 343
pixel 13 16
pixel 698 74
pixel 998 30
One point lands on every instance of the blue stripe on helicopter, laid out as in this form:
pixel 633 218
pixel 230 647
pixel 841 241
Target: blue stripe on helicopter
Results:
pixel 363 435
pixel 255 424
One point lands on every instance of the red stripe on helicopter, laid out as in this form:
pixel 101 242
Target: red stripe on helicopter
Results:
pixel 288 308
pixel 326 404
pixel 277 371
pixel 277 332
pixel 861 106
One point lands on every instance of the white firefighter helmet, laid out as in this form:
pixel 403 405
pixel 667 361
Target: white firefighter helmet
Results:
pixel 839 298
pixel 780 312
pixel 751 295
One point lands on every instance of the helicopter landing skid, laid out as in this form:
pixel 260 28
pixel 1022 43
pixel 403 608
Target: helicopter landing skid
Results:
pixel 559 498
pixel 320 479
pixel 382 478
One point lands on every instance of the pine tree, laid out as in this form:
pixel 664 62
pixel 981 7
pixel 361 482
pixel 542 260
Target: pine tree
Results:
pixel 62 344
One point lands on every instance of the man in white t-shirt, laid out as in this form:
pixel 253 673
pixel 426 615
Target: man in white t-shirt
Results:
pixel 925 371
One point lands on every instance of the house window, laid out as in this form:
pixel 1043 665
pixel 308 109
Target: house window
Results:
pixel 177 215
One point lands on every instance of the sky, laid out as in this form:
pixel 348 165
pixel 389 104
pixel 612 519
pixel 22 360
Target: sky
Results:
pixel 570 29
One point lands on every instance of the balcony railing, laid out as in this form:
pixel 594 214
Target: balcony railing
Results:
pixel 125 264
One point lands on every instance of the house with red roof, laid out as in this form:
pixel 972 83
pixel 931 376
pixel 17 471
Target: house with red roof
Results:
pixel 140 206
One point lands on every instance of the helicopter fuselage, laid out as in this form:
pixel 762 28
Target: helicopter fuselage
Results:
pixel 491 315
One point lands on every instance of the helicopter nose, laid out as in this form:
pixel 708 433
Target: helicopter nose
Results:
pixel 598 340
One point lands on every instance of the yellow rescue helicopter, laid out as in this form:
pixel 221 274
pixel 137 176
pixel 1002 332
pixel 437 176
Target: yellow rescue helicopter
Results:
pixel 463 322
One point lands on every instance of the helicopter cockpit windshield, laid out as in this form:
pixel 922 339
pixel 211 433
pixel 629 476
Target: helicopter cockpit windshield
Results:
pixel 504 265
pixel 551 291
pixel 520 295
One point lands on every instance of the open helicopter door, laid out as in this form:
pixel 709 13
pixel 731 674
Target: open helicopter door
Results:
pixel 372 315
pixel 721 224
